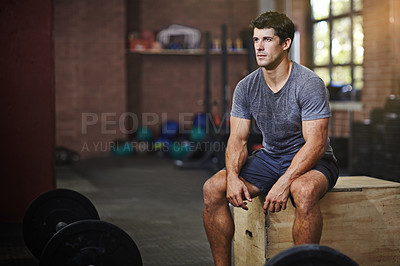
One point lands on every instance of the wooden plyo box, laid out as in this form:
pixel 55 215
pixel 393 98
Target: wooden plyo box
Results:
pixel 361 219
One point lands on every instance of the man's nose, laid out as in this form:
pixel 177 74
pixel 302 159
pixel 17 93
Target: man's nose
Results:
pixel 259 46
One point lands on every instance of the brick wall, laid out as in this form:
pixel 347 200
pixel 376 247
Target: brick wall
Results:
pixel 206 15
pixel 90 71
pixel 300 14
pixel 381 41
pixel 90 40
pixel 89 44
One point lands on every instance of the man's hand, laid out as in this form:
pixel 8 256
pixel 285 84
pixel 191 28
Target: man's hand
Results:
pixel 235 189
pixel 278 195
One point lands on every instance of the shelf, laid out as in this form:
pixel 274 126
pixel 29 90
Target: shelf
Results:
pixel 346 106
pixel 186 52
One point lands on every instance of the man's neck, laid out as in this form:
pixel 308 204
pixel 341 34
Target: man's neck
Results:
pixel 277 77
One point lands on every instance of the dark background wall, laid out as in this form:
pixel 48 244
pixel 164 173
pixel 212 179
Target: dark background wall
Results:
pixel 26 104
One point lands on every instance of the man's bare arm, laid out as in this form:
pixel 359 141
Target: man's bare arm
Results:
pixel 315 133
pixel 235 157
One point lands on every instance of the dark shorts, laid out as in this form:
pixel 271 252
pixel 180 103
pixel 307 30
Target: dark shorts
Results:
pixel 263 169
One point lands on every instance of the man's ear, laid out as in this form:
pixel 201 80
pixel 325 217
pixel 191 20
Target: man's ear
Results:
pixel 286 44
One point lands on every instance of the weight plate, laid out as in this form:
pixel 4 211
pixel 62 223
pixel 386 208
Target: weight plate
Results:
pixel 91 242
pixel 311 255
pixel 50 208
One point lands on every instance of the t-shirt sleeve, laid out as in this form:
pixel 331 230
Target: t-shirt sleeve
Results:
pixel 314 100
pixel 240 106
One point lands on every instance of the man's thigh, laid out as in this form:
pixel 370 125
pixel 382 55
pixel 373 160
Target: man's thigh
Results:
pixel 219 180
pixel 327 165
pixel 253 190
pixel 261 170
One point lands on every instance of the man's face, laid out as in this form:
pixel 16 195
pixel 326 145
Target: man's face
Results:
pixel 269 53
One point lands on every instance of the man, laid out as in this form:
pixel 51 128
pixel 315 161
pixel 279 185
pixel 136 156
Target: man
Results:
pixel 290 105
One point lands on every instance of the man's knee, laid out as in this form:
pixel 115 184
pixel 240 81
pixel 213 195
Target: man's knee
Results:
pixel 215 187
pixel 307 191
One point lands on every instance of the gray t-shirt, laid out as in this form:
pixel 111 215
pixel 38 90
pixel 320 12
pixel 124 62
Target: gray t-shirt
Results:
pixel 279 115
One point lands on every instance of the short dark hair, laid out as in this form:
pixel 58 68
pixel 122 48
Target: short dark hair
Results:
pixel 283 26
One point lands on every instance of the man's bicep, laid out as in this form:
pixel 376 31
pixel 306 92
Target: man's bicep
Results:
pixel 316 130
pixel 240 127
pixel 314 100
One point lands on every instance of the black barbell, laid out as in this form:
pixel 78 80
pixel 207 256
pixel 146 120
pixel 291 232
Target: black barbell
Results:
pixel 62 227
pixel 310 255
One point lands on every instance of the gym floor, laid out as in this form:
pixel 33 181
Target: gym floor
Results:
pixel 158 205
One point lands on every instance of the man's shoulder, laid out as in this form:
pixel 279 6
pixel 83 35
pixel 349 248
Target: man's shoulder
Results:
pixel 303 72
pixel 251 77
pixel 307 80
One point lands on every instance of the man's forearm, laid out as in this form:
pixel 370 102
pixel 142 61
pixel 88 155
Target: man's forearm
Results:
pixel 315 133
pixel 236 156
pixel 305 159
